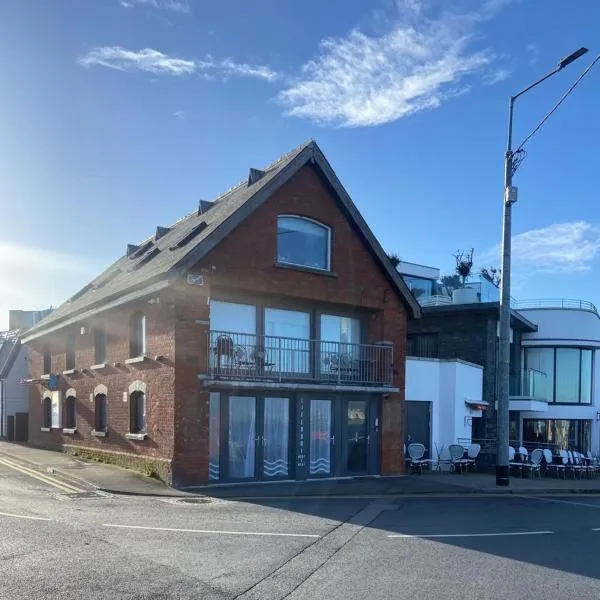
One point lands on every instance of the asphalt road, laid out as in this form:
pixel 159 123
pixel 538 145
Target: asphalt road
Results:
pixel 59 544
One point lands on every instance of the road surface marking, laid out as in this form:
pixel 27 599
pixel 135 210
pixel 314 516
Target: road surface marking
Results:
pixel 467 535
pixel 65 487
pixel 564 502
pixel 3 514
pixel 210 531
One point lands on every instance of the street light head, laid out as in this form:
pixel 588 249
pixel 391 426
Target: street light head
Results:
pixel 571 58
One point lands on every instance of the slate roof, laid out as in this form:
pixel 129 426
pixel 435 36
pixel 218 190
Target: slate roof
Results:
pixel 146 267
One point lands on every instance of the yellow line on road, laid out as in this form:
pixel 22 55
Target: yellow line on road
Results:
pixel 65 487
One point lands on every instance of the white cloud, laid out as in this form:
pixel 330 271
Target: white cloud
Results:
pixel 153 61
pixel 496 76
pixel 181 6
pixel 362 79
pixel 559 248
pixel 149 60
pixel 180 114
pixel 534 53
pixel 34 278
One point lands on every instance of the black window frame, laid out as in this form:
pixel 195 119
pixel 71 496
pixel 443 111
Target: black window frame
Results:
pixel 70 415
pixel 47 412
pixel 100 343
pixel 554 353
pixel 137 419
pixel 100 412
pixel 137 335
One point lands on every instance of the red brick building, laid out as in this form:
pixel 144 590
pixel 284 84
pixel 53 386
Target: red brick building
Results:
pixel 260 337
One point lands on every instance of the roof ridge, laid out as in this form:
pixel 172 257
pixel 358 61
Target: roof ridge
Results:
pixel 243 182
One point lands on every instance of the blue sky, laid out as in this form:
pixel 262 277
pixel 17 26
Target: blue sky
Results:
pixel 118 115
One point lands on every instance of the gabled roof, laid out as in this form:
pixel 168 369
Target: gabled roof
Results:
pixel 146 267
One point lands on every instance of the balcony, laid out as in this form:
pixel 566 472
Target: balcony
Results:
pixel 249 357
pixel 531 394
pixel 554 303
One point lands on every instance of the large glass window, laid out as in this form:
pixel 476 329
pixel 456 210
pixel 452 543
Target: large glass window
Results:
pixel 343 330
pixel 542 360
pixel 561 434
pixel 230 316
pixel 303 242
pixel 421 288
pixel 287 345
pixel 568 373
pixel 586 376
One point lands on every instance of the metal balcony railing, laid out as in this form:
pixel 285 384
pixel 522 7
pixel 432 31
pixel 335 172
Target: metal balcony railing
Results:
pixel 243 356
pixel 554 303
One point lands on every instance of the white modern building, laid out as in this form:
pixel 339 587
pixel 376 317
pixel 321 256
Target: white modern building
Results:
pixel 442 397
pixel 562 355
pixel 555 367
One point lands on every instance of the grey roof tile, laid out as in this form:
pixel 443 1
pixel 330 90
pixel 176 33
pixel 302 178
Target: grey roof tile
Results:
pixel 185 240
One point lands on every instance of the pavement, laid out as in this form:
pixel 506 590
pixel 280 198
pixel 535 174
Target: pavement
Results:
pixel 89 476
pixel 473 546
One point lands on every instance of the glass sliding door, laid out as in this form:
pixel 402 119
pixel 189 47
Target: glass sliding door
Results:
pixel 276 438
pixel 321 438
pixel 287 345
pixel 242 437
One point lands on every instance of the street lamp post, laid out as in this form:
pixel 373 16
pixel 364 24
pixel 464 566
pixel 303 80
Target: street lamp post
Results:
pixel 510 197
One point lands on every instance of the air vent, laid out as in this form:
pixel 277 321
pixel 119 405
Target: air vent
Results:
pixel 255 175
pixel 204 206
pixel 146 258
pixel 160 231
pixel 132 249
pixel 186 239
pixel 141 250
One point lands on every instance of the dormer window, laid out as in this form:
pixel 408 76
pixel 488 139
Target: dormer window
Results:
pixel 303 242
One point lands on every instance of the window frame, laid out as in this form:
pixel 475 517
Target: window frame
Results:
pixel 324 226
pixel 70 411
pixel 134 399
pixel 138 331
pixel 47 412
pixel 98 413
pixel 554 349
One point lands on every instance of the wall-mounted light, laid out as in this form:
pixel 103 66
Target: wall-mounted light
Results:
pixel 83 330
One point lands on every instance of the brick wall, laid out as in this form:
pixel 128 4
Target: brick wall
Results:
pixel 177 328
pixel 158 375
pixel 245 262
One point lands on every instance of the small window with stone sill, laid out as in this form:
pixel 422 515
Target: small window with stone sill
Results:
pixel 137 335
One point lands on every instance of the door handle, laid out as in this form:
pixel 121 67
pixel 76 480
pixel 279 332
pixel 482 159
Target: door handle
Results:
pixel 332 438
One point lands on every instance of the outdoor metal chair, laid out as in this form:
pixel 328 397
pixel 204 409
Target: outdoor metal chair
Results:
pixel 593 463
pixel 472 453
pixel 552 466
pixel 533 464
pixel 416 452
pixel 572 466
pixel 512 463
pixel 456 456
